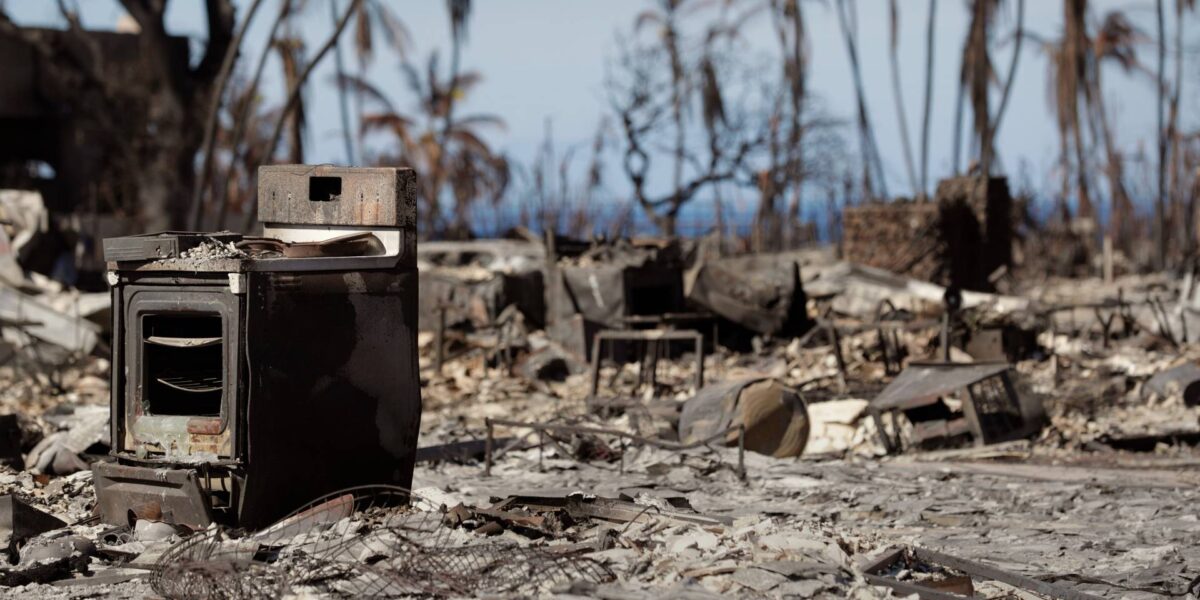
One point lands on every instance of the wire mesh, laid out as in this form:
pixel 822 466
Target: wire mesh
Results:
pixel 366 542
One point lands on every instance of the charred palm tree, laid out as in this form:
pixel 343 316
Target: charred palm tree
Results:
pixel 657 88
pixel 459 160
pixel 898 95
pixel 291 56
pixel 1179 213
pixel 665 16
pixel 374 19
pixel 928 105
pixel 1161 204
pixel 1076 76
pixel 242 111
pixel 1115 42
pixel 874 184
pixel 785 172
pixel 793 40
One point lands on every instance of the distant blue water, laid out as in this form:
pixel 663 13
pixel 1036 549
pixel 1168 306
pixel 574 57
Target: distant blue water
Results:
pixel 698 218
pixel 695 219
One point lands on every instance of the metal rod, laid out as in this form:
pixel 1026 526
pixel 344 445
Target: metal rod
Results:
pixel 596 346
pixel 983 571
pixel 945 341
pixel 836 340
pixel 487 449
pixel 440 357
pixel 542 428
pixel 742 451
pixel 908 589
pixel 653 351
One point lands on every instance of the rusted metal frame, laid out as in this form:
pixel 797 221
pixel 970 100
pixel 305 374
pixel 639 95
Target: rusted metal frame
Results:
pixel 651 338
pixel 544 428
pixel 907 589
pixel 889 445
pixel 889 557
pixel 882 561
pixel 972 415
pixel 1119 307
pixel 983 571
pixel 873 567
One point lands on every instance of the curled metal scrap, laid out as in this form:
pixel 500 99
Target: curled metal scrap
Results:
pixel 360 542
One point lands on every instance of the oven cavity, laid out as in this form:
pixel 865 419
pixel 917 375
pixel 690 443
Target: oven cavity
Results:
pixel 183 363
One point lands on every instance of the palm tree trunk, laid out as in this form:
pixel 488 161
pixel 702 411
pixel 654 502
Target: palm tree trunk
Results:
pixel 293 97
pixel 898 95
pixel 872 165
pixel 929 37
pixel 1084 199
pixel 243 115
pixel 799 90
pixel 677 99
pixel 1064 166
pixel 210 126
pixel 1012 66
pixel 1120 210
pixel 959 103
pixel 978 85
pixel 1073 71
pixel 343 100
pixel 1176 185
pixel 1162 140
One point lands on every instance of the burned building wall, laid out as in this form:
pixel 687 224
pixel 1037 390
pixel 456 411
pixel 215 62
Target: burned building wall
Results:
pixel 959 239
pixel 900 237
pixel 977 223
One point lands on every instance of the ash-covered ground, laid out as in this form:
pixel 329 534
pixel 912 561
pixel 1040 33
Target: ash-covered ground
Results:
pixel 1097 499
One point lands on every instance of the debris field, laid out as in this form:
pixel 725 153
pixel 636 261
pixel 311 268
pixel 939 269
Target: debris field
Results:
pixel 648 419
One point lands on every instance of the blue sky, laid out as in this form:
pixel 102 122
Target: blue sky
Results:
pixel 546 59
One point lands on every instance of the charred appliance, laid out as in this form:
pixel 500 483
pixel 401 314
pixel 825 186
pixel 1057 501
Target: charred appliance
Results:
pixel 251 375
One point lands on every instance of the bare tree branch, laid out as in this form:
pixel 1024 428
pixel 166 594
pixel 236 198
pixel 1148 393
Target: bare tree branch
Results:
pixel 214 111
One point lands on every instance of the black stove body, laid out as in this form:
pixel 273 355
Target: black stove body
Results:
pixel 244 387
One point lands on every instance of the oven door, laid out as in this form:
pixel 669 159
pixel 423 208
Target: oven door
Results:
pixel 180 380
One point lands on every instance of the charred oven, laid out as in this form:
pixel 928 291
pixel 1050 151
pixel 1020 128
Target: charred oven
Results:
pixel 251 375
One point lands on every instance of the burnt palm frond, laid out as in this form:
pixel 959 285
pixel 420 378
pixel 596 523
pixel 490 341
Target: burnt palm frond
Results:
pixel 1116 40
pixel 376 15
pixel 359 85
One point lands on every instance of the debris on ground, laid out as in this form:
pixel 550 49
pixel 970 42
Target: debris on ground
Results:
pixel 842 458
